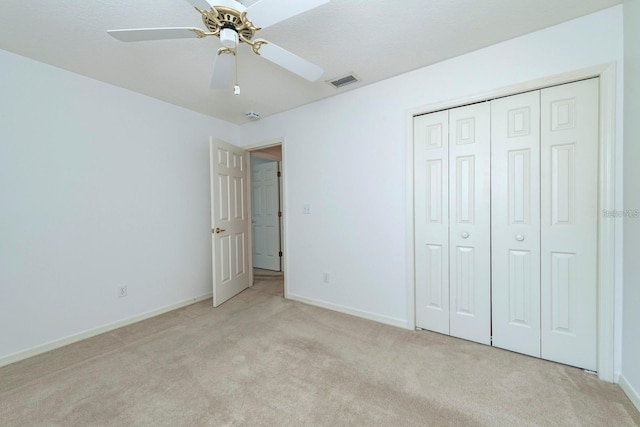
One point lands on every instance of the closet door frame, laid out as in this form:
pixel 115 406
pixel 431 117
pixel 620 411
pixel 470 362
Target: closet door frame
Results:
pixel 606 196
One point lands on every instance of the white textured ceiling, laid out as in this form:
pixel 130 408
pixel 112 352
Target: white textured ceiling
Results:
pixel 374 39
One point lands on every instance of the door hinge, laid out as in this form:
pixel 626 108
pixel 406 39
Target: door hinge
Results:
pixel 279 214
pixel 280 253
pixel 279 174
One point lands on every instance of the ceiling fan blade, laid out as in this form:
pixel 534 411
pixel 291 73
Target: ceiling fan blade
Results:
pixel 268 12
pixel 223 68
pixel 205 5
pixel 201 4
pixel 146 34
pixel 290 62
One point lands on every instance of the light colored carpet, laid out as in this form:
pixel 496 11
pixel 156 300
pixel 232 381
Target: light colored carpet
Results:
pixel 259 274
pixel 262 360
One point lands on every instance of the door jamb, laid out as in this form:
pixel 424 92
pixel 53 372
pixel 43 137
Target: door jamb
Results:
pixel 606 196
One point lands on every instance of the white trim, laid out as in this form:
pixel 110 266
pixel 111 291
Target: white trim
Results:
pixel 632 393
pixel 387 320
pixel 247 189
pixel 281 201
pixel 409 221
pixel 606 226
pixel 606 193
pixel 558 79
pixel 52 345
pixel 284 219
pixel 264 144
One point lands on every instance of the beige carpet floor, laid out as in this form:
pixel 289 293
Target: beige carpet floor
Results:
pixel 262 360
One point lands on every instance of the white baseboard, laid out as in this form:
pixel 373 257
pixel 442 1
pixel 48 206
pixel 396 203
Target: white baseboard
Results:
pixel 631 392
pixel 52 345
pixel 387 320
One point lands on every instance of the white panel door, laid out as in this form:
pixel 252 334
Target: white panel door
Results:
pixel 515 222
pixel 265 206
pixel 569 191
pixel 431 198
pixel 229 220
pixel 469 222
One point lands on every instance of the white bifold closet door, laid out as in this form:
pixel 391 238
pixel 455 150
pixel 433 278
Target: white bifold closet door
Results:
pixel 431 198
pixel 569 222
pixel 452 220
pixel 470 220
pixel 544 223
pixel 515 222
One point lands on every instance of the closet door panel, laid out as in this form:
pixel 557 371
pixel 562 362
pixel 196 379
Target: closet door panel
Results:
pixel 569 189
pixel 469 204
pixel 431 199
pixel 515 222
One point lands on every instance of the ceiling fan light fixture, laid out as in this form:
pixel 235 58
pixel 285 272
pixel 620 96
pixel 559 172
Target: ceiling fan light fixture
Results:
pixel 229 37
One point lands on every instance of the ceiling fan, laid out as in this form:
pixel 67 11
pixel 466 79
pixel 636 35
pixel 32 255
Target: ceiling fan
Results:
pixel 229 21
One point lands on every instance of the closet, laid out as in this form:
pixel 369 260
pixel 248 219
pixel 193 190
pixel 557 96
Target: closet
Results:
pixel 506 222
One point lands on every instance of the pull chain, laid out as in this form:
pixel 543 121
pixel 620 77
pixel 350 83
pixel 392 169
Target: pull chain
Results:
pixel 236 88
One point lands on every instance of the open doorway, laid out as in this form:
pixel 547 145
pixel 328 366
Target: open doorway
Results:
pixel 266 208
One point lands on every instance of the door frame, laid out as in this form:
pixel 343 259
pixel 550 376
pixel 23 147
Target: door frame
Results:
pixel 606 196
pixel 283 204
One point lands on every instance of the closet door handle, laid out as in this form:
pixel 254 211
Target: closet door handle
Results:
pixel 465 235
pixel 519 237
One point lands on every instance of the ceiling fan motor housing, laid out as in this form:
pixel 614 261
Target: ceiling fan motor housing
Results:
pixel 219 18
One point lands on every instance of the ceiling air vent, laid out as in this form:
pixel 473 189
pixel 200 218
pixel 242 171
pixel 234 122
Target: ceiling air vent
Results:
pixel 343 81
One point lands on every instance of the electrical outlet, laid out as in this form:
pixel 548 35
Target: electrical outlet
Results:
pixel 122 291
pixel 325 277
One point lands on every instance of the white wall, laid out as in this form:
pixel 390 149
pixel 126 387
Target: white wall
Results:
pixel 631 343
pixel 346 157
pixel 99 187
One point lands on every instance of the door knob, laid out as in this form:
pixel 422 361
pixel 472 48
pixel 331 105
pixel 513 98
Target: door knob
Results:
pixel 465 235
pixel 519 237
pixel 219 230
